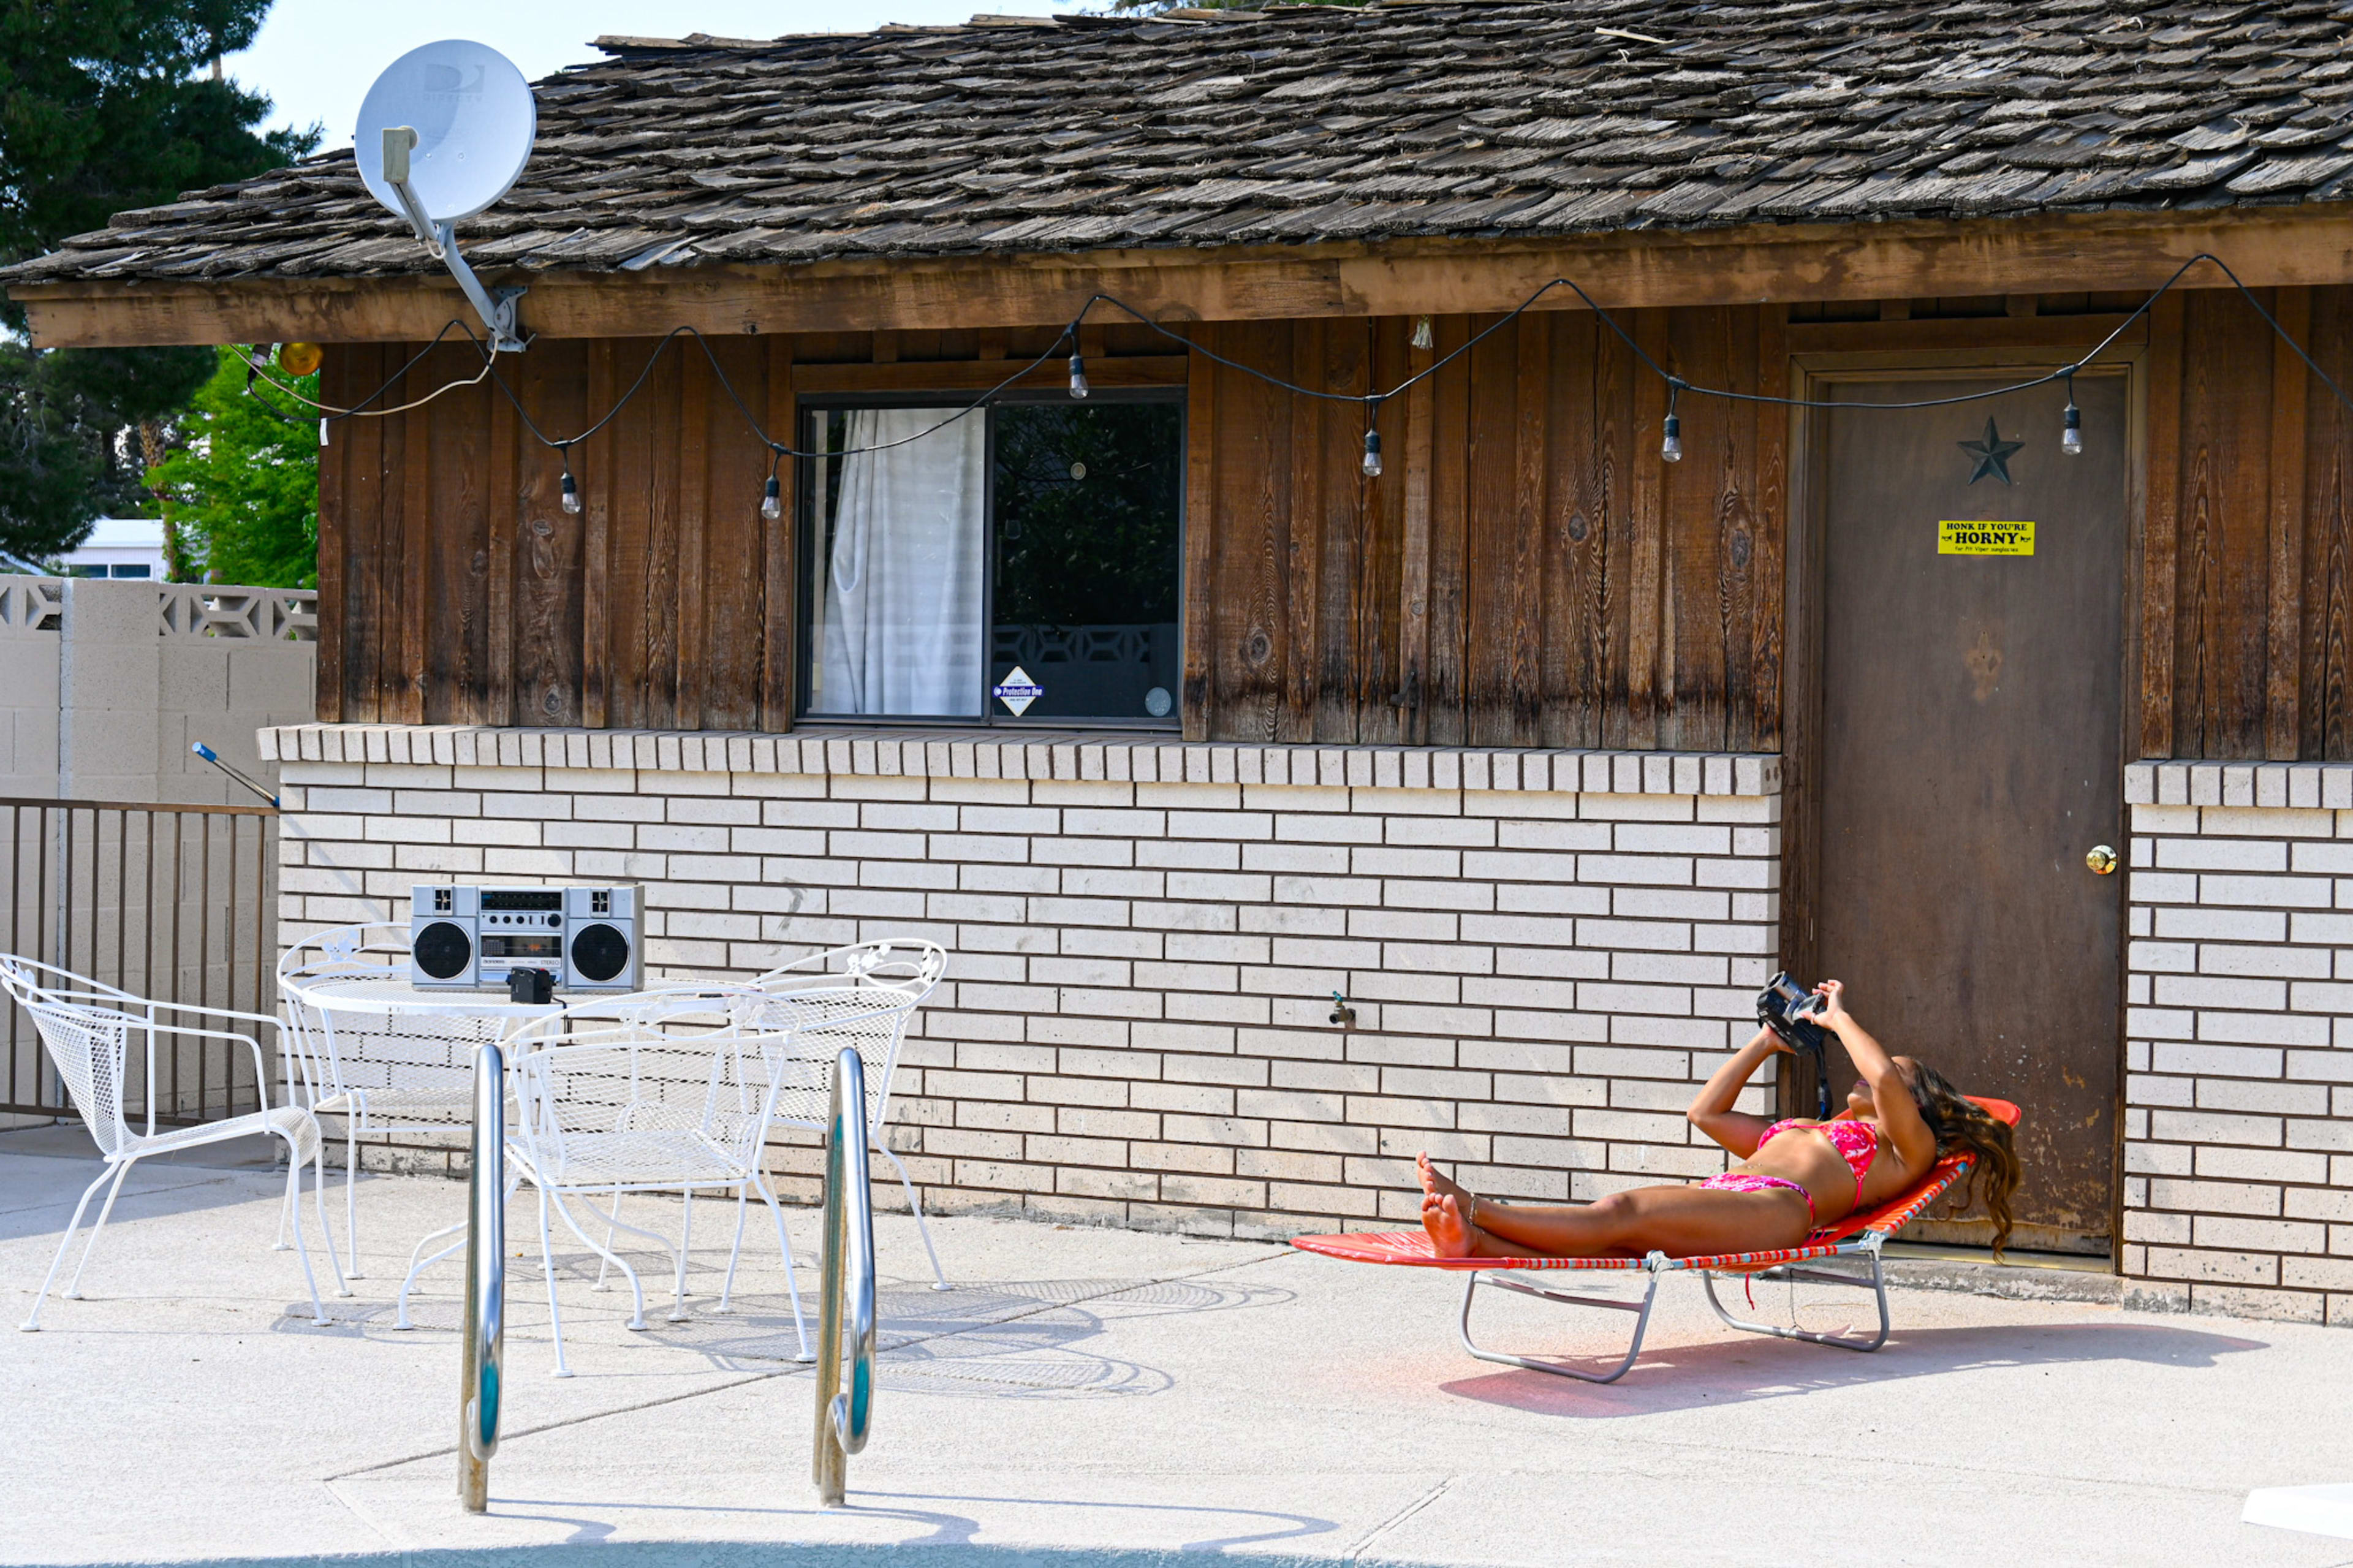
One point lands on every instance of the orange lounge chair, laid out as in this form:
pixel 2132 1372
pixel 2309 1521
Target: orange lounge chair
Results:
pixel 1859 1235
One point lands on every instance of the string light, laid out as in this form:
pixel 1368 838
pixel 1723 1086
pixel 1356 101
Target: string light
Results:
pixel 1671 448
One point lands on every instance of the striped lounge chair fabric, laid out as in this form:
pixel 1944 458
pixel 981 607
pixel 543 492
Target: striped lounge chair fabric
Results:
pixel 1860 1235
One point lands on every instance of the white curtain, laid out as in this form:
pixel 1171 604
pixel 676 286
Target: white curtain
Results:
pixel 901 630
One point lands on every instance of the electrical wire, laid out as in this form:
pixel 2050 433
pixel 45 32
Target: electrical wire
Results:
pixel 1371 402
pixel 1677 383
pixel 780 449
pixel 361 410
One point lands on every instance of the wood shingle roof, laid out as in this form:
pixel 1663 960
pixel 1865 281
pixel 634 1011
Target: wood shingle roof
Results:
pixel 1515 118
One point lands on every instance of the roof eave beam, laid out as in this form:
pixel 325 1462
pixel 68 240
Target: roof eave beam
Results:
pixel 2097 252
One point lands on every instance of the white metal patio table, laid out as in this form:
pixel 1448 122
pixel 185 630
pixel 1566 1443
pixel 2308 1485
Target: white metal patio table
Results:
pixel 482 1018
pixel 388 998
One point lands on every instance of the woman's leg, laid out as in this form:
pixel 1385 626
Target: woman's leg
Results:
pixel 1684 1222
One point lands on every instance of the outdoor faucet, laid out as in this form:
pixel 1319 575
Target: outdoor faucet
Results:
pixel 1342 1014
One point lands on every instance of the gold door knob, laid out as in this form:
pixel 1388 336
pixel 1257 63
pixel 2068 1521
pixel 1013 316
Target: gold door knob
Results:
pixel 2102 860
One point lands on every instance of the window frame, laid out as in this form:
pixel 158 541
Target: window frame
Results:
pixel 809 519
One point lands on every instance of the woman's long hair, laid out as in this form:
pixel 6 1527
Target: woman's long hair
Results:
pixel 1960 1124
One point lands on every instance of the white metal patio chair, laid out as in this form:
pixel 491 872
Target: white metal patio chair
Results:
pixel 661 1093
pixel 906 967
pixel 405 1069
pixel 86 1027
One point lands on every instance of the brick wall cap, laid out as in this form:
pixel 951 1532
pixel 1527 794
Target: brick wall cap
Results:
pixel 1016 754
pixel 2263 786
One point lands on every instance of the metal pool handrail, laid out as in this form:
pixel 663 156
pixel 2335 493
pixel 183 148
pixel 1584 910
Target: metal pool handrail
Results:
pixel 486 1282
pixel 843 1419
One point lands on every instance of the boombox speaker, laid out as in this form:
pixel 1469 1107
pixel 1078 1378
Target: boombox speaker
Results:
pixel 465 938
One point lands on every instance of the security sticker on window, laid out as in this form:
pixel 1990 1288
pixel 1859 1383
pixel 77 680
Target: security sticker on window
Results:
pixel 1967 538
pixel 1017 691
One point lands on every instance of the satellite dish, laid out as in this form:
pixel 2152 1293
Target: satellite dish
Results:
pixel 474 118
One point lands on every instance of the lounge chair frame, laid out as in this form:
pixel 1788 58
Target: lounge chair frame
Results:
pixel 1657 1267
pixel 1861 1236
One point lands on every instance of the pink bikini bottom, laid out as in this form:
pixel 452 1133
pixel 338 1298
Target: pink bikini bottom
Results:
pixel 1749 1182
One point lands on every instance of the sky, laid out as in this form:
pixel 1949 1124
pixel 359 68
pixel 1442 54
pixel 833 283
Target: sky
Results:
pixel 316 58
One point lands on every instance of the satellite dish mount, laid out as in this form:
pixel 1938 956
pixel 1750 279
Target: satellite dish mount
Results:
pixel 443 133
pixel 497 307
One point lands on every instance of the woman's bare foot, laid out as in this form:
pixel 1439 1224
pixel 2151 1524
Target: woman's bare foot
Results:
pixel 1450 1236
pixel 1435 1185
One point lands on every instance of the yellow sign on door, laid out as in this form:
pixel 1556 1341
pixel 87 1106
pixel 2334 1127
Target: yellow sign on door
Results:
pixel 1965 537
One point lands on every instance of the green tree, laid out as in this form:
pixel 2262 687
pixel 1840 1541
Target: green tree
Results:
pixel 50 462
pixel 105 106
pixel 243 487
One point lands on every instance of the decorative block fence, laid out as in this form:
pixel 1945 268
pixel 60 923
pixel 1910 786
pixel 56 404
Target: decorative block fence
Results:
pixel 1546 951
pixel 104 684
pixel 2238 1090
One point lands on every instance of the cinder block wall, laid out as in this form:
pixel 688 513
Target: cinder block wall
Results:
pixel 1547 951
pixel 104 684
pixel 30 611
pixel 2239 1093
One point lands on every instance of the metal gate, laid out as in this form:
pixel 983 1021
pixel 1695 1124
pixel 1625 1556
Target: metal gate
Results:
pixel 173 902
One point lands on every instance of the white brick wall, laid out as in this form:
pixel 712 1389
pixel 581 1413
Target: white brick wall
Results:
pixel 1546 950
pixel 2239 1057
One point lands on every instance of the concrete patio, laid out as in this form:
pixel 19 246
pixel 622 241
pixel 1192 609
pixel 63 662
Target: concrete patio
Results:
pixel 1098 1396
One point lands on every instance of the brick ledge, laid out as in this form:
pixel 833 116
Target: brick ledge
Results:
pixel 994 755
pixel 2287 785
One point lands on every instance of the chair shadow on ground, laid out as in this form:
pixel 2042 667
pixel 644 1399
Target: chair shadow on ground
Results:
pixel 1240 1527
pixel 996 1339
pixel 39 1186
pixel 948 1546
pixel 1742 1366
pixel 999 1339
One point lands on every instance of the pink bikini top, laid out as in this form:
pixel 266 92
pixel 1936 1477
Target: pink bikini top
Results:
pixel 1856 1141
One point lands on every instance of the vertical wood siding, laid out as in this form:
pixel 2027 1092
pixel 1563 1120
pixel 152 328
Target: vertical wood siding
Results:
pixel 1526 571
pixel 2248 546
pixel 461 593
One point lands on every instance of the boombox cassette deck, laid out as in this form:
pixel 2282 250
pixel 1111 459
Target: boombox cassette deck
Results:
pixel 466 938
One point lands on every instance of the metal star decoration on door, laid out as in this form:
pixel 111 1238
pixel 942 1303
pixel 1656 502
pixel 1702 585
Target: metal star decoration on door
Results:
pixel 1992 455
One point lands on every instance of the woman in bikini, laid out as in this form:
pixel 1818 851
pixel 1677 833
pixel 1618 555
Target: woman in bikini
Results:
pixel 1793 1176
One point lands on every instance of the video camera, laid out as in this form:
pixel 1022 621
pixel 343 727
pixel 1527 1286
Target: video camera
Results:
pixel 1789 1009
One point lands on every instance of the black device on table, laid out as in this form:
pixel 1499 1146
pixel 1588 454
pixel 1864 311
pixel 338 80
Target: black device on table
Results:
pixel 1789 1009
pixel 531 987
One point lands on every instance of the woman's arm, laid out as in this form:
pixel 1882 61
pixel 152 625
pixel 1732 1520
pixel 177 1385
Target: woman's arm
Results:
pixel 1711 1110
pixel 1891 1094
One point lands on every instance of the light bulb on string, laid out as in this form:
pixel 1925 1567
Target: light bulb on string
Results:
pixel 1372 454
pixel 2071 440
pixel 571 497
pixel 772 503
pixel 1670 443
pixel 1077 376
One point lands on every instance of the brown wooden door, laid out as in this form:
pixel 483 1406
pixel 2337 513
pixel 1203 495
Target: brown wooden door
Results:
pixel 1970 729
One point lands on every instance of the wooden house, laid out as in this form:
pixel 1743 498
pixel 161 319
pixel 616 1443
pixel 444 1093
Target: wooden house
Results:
pixel 1539 750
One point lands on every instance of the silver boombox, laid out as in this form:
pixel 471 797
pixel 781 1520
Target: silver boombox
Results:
pixel 462 938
